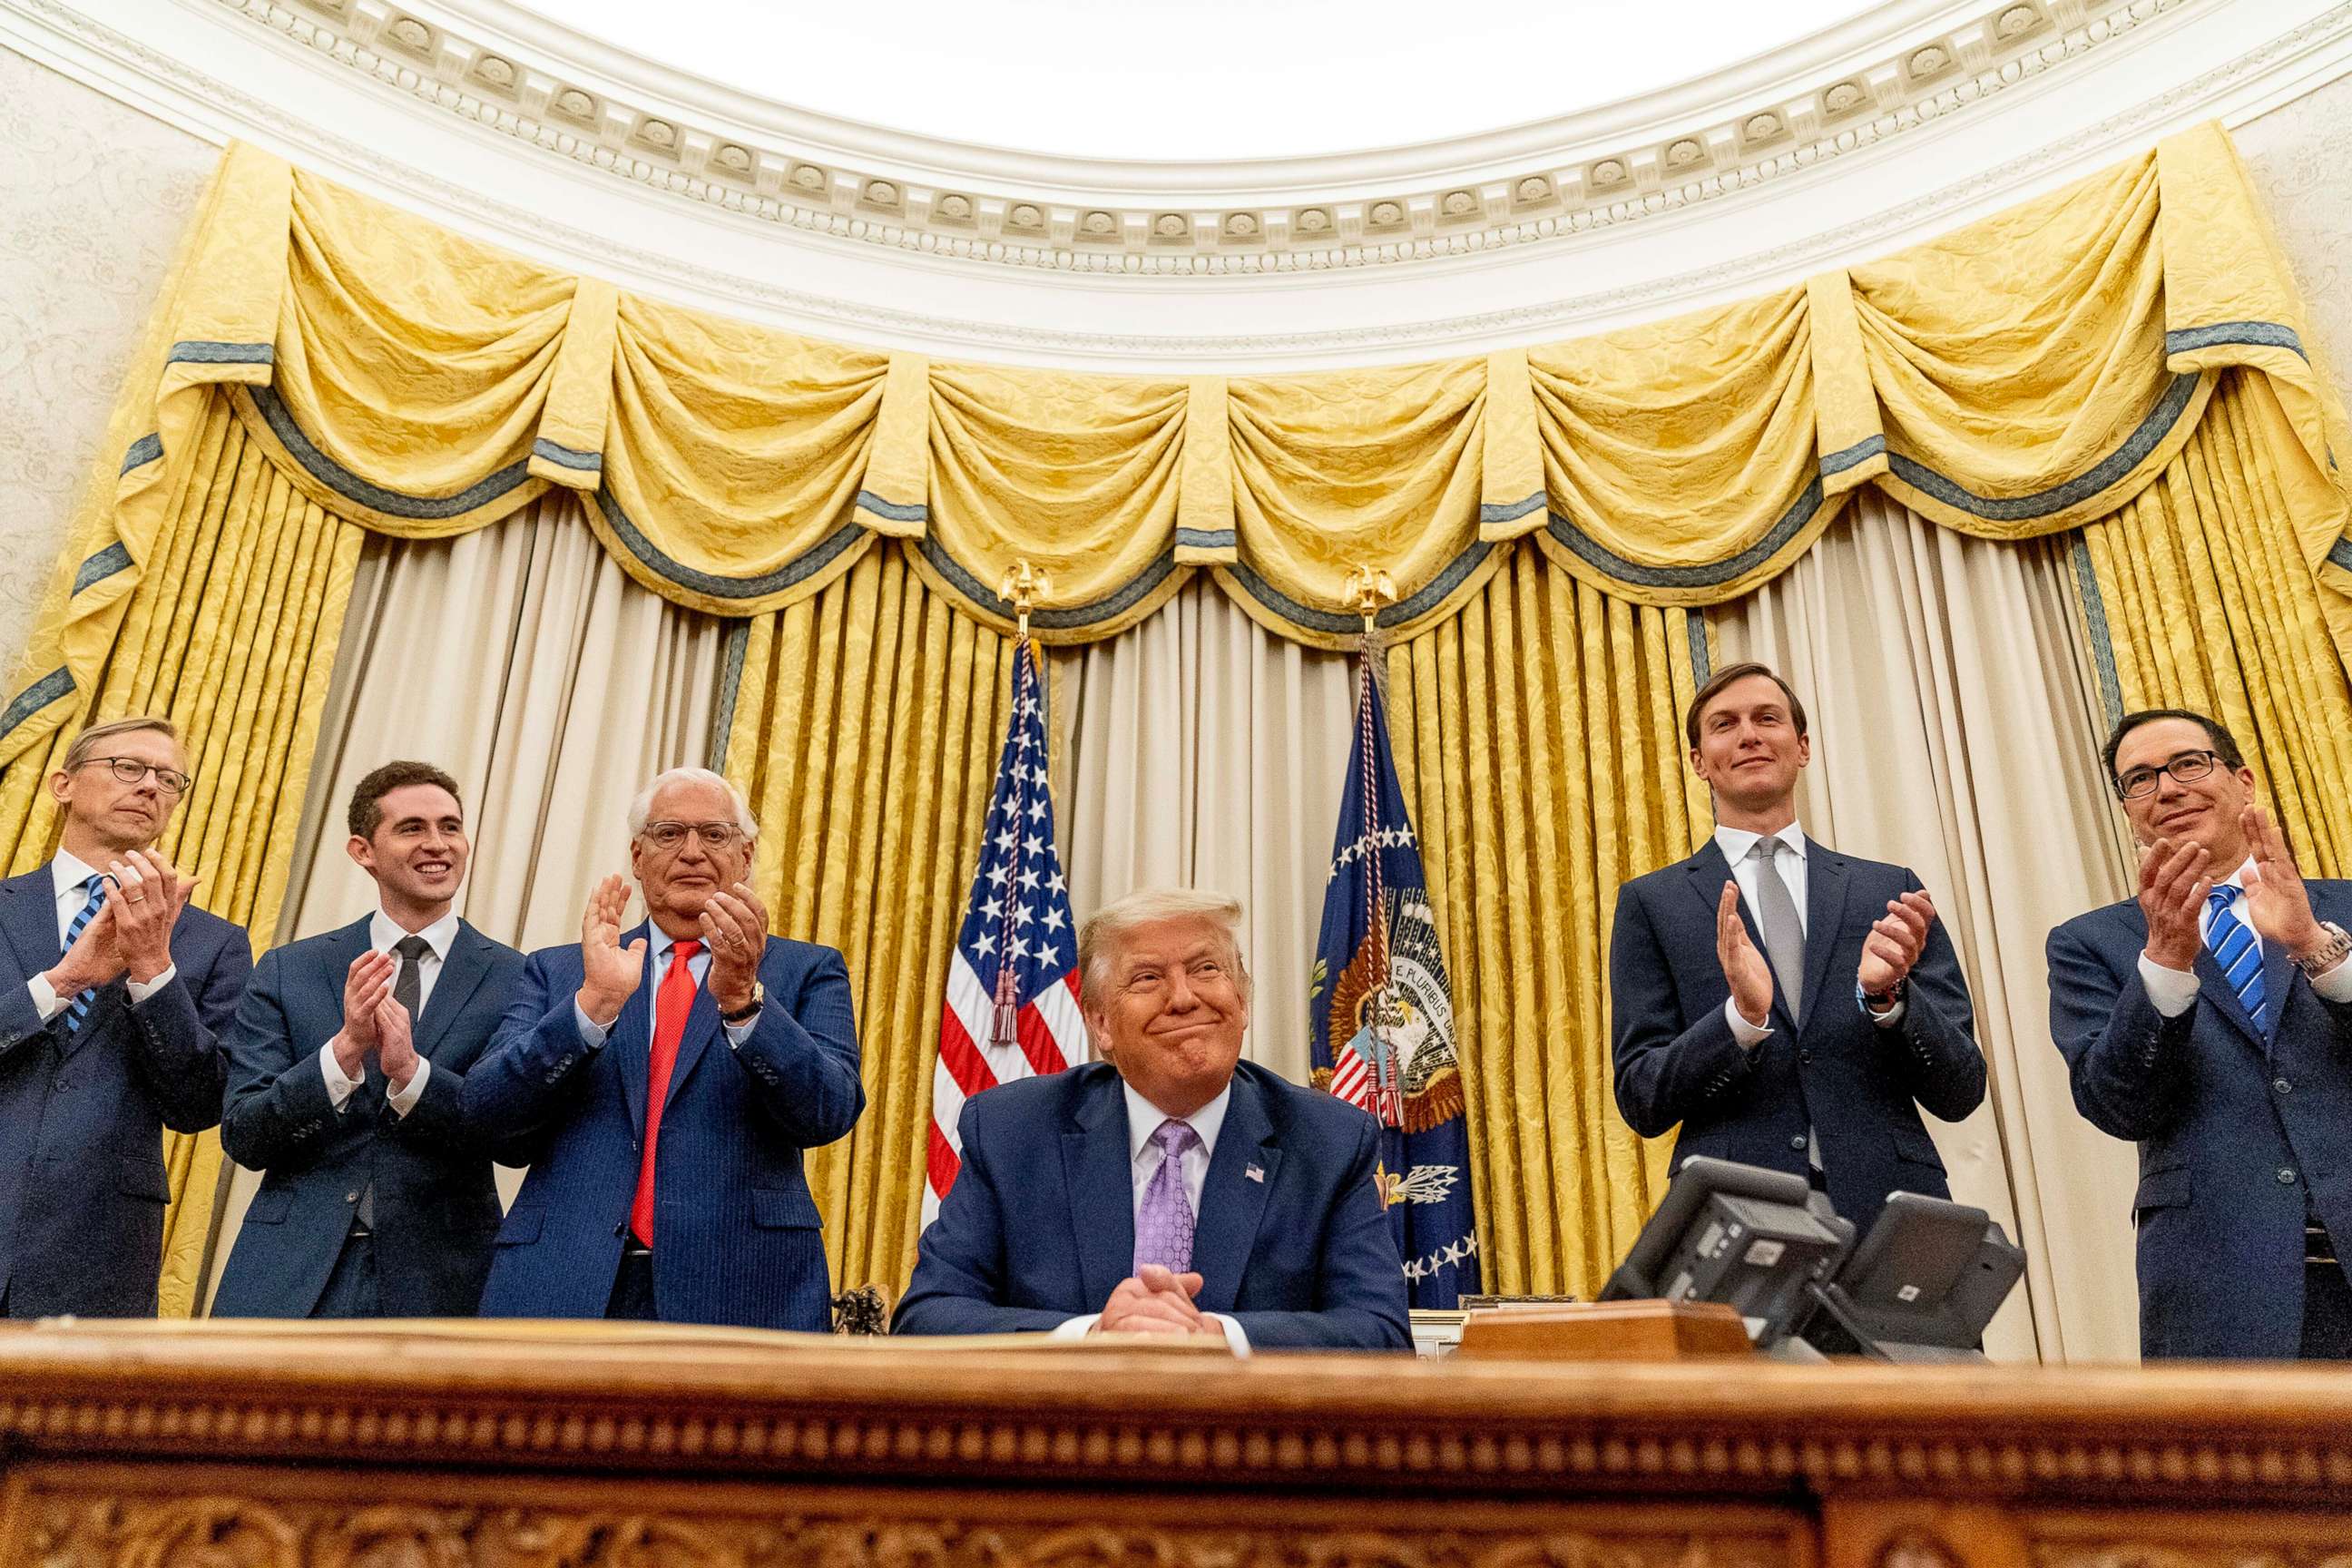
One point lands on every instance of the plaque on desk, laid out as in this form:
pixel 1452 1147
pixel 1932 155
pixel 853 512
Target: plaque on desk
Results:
pixel 1607 1330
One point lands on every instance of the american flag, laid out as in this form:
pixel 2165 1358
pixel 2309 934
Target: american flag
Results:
pixel 1012 986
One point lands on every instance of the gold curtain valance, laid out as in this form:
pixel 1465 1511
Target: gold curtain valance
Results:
pixel 2017 377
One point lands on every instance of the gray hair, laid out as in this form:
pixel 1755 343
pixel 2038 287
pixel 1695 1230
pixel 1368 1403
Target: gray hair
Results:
pixel 1101 932
pixel 643 803
pixel 84 745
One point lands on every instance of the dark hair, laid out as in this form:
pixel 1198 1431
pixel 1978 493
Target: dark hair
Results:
pixel 1724 677
pixel 367 795
pixel 2225 745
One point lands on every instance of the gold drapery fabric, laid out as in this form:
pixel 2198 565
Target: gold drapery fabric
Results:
pixel 2020 376
pixel 2198 597
pixel 865 731
pixel 1539 744
pixel 235 640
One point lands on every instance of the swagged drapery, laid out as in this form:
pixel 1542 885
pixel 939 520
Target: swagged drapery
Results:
pixel 1551 516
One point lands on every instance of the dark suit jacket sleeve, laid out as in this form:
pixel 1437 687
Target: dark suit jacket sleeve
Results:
pixel 2127 1061
pixel 176 1035
pixel 1361 1301
pixel 959 1263
pixel 529 1080
pixel 1941 1063
pixel 1664 1071
pixel 278 1112
pixel 802 1057
pixel 439 1117
pixel 20 1021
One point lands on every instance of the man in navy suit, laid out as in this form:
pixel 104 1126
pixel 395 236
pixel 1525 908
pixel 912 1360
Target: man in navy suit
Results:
pixel 113 997
pixel 661 1084
pixel 1791 1006
pixel 347 1077
pixel 1170 1187
pixel 2209 1020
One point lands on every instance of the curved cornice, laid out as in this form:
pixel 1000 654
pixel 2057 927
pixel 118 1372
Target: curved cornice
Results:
pixel 457 110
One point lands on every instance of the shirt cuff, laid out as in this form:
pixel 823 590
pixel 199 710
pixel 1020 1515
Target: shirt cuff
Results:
pixel 340 1086
pixel 593 1034
pixel 143 989
pixel 1076 1328
pixel 2173 991
pixel 2335 985
pixel 46 1000
pixel 1889 1018
pixel 404 1100
pixel 1236 1336
pixel 1746 1033
pixel 739 1033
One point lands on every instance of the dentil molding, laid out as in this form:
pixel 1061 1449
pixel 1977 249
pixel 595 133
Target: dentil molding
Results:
pixel 1912 119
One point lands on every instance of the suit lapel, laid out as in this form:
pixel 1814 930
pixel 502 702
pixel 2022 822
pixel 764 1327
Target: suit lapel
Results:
pixel 461 977
pixel 1825 880
pixel 28 914
pixel 1708 870
pixel 1231 1202
pixel 2278 983
pixel 2215 987
pixel 1099 1176
pixel 633 1034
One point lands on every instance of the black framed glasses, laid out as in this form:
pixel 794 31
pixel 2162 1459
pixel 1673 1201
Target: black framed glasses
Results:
pixel 2188 767
pixel 131 769
pixel 715 836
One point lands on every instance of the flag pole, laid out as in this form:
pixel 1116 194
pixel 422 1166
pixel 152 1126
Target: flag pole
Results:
pixel 1023 586
pixel 1373 588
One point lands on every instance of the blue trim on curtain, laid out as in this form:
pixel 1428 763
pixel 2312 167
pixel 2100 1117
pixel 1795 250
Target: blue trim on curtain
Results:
pixel 1595 553
pixel 1701 662
pixel 1845 457
pixel 1070 617
pixel 915 513
pixel 569 456
pixel 2094 620
pixel 799 569
pixel 349 485
pixel 196 351
pixel 114 558
pixel 57 683
pixel 2255 334
pixel 1421 602
pixel 1508 512
pixel 1205 538
pixel 730 683
pixel 141 453
pixel 2339 555
pixel 2101 476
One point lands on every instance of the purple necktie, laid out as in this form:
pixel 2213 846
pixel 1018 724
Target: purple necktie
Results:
pixel 1163 1221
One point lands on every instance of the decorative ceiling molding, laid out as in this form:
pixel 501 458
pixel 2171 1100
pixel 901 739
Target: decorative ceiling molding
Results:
pixel 214 71
pixel 1615 167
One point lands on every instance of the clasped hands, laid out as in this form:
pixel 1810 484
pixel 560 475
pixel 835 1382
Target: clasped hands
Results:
pixel 1157 1300
pixel 131 933
pixel 734 928
pixel 375 1025
pixel 1896 940
pixel 2175 877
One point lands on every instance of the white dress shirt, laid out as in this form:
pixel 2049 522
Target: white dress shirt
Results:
pixel 1738 845
pixel 593 1034
pixel 71 877
pixel 383 931
pixel 1144 1158
pixel 2174 991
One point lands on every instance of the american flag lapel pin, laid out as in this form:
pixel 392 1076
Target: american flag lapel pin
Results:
pixel 1255 1172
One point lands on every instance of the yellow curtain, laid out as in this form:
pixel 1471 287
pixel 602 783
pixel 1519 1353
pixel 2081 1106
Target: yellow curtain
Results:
pixel 866 731
pixel 1537 742
pixel 235 641
pixel 2198 597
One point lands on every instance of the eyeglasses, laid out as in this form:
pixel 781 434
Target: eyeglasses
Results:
pixel 667 835
pixel 2188 767
pixel 131 769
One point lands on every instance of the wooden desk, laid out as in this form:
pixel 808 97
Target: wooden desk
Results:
pixel 244 1448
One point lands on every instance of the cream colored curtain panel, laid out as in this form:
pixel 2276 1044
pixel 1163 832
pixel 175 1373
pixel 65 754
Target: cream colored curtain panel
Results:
pixel 524 661
pixel 2018 377
pixel 1199 751
pixel 1955 730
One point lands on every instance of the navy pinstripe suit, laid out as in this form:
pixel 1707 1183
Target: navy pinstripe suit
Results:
pixel 737 1238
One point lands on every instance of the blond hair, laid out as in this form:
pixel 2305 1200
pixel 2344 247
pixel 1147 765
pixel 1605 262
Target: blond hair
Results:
pixel 84 745
pixel 1105 929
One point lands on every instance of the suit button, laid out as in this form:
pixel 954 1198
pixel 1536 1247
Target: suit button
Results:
pixel 2281 1085
pixel 351 1197
pixel 1804 1059
pixel 1797 1142
pixel 2286 1176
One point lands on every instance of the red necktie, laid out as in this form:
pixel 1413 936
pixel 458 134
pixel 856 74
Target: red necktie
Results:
pixel 672 1003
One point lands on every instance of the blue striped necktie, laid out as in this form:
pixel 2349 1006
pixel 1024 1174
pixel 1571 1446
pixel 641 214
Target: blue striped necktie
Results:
pixel 2239 956
pixel 79 1008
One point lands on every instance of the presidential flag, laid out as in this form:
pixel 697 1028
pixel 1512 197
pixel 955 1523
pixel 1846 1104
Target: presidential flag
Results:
pixel 1380 1018
pixel 1012 984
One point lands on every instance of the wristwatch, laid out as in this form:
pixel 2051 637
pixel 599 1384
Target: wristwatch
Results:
pixel 2320 959
pixel 749 1010
pixel 1885 1001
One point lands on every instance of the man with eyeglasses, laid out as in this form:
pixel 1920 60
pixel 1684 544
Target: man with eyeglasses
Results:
pixel 2208 1019
pixel 114 995
pixel 661 1082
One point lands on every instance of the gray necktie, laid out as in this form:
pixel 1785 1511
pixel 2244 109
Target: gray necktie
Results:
pixel 405 985
pixel 1784 933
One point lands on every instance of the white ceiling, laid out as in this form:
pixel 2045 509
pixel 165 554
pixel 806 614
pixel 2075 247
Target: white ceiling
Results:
pixel 1193 79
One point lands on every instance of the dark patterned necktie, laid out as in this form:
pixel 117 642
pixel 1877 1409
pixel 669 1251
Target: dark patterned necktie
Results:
pixel 77 1009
